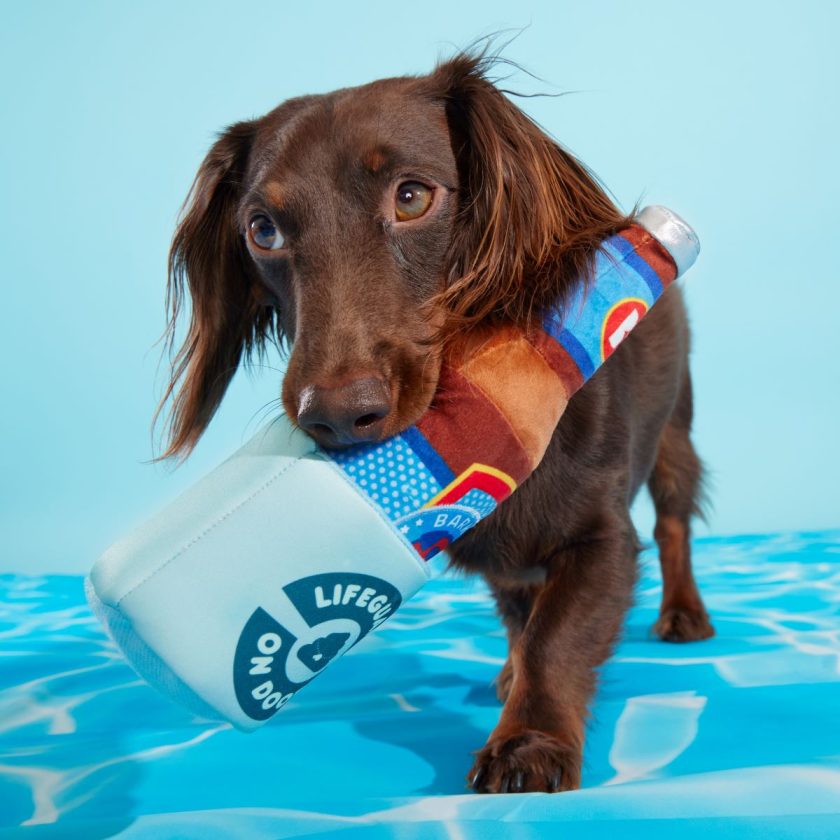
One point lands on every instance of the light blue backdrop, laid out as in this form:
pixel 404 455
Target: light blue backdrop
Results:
pixel 728 112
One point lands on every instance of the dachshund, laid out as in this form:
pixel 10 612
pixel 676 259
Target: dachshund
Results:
pixel 362 229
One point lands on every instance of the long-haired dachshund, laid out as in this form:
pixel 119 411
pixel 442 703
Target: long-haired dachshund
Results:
pixel 367 226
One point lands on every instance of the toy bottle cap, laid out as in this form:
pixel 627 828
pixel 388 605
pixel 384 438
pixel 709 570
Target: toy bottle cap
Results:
pixel 673 233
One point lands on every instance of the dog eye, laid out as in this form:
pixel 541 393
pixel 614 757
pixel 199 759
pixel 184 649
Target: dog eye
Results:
pixel 264 234
pixel 411 201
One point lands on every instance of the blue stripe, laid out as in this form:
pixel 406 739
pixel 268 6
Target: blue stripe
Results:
pixel 632 259
pixel 553 323
pixel 555 319
pixel 619 273
pixel 578 352
pixel 428 455
pixel 621 281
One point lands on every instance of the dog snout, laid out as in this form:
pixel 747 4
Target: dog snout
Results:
pixel 351 413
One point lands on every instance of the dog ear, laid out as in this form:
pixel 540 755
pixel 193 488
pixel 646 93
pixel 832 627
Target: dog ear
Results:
pixel 531 216
pixel 229 318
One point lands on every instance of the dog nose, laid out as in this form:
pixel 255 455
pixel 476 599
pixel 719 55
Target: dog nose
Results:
pixel 351 413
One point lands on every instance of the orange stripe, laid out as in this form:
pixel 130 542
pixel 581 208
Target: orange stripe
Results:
pixel 523 387
pixel 559 360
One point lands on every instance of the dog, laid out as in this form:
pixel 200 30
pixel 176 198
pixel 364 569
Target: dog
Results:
pixel 367 227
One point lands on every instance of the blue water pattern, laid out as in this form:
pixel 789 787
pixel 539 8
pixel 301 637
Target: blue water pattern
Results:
pixel 737 735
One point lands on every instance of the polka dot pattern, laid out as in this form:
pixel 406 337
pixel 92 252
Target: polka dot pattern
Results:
pixel 391 474
pixel 482 503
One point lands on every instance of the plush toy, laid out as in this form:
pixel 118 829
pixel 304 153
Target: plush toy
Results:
pixel 286 555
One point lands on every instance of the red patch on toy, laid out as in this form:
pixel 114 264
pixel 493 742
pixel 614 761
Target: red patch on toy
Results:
pixel 619 322
pixel 494 482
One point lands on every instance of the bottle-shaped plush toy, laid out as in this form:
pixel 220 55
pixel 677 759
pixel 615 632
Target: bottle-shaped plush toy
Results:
pixel 249 584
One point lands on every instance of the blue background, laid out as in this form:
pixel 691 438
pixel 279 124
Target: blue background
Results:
pixel 726 112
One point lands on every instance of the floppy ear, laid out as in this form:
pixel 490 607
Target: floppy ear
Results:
pixel 209 258
pixel 531 216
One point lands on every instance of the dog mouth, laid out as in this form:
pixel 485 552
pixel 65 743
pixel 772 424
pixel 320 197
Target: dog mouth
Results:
pixel 361 396
pixel 370 428
pixel 364 411
pixel 365 432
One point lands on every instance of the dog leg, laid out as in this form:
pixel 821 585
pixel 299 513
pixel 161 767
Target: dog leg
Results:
pixel 675 486
pixel 574 622
pixel 514 607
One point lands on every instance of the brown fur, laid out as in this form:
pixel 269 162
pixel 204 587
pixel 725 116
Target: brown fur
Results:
pixel 368 305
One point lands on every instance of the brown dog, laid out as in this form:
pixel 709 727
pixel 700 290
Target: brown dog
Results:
pixel 365 226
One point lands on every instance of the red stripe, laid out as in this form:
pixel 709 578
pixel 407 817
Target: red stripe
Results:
pixel 558 360
pixel 652 252
pixel 478 480
pixel 464 427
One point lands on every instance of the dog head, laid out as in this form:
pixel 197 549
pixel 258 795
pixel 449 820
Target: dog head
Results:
pixel 364 226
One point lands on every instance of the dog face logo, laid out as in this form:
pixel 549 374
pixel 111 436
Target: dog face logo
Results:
pixel 620 320
pixel 337 610
pixel 321 652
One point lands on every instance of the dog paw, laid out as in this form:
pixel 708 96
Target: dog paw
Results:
pixel 528 761
pixel 683 624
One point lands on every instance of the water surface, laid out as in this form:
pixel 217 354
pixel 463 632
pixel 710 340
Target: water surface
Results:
pixel 738 735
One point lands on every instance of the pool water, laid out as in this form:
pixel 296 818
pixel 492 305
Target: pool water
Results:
pixel 738 735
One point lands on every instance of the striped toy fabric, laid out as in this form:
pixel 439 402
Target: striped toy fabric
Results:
pixel 496 408
pixel 236 595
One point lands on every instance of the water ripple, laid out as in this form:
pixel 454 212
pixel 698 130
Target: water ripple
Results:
pixel 742 724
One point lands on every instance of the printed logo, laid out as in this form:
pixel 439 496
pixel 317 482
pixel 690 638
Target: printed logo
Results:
pixel 620 320
pixel 430 530
pixel 271 663
pixel 448 514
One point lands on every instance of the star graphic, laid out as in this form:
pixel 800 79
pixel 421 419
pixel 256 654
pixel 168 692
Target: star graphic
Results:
pixel 404 529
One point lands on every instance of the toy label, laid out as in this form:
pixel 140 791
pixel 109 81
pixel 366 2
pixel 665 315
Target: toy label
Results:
pixel 271 662
pixel 470 497
pixel 620 320
pixel 430 530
